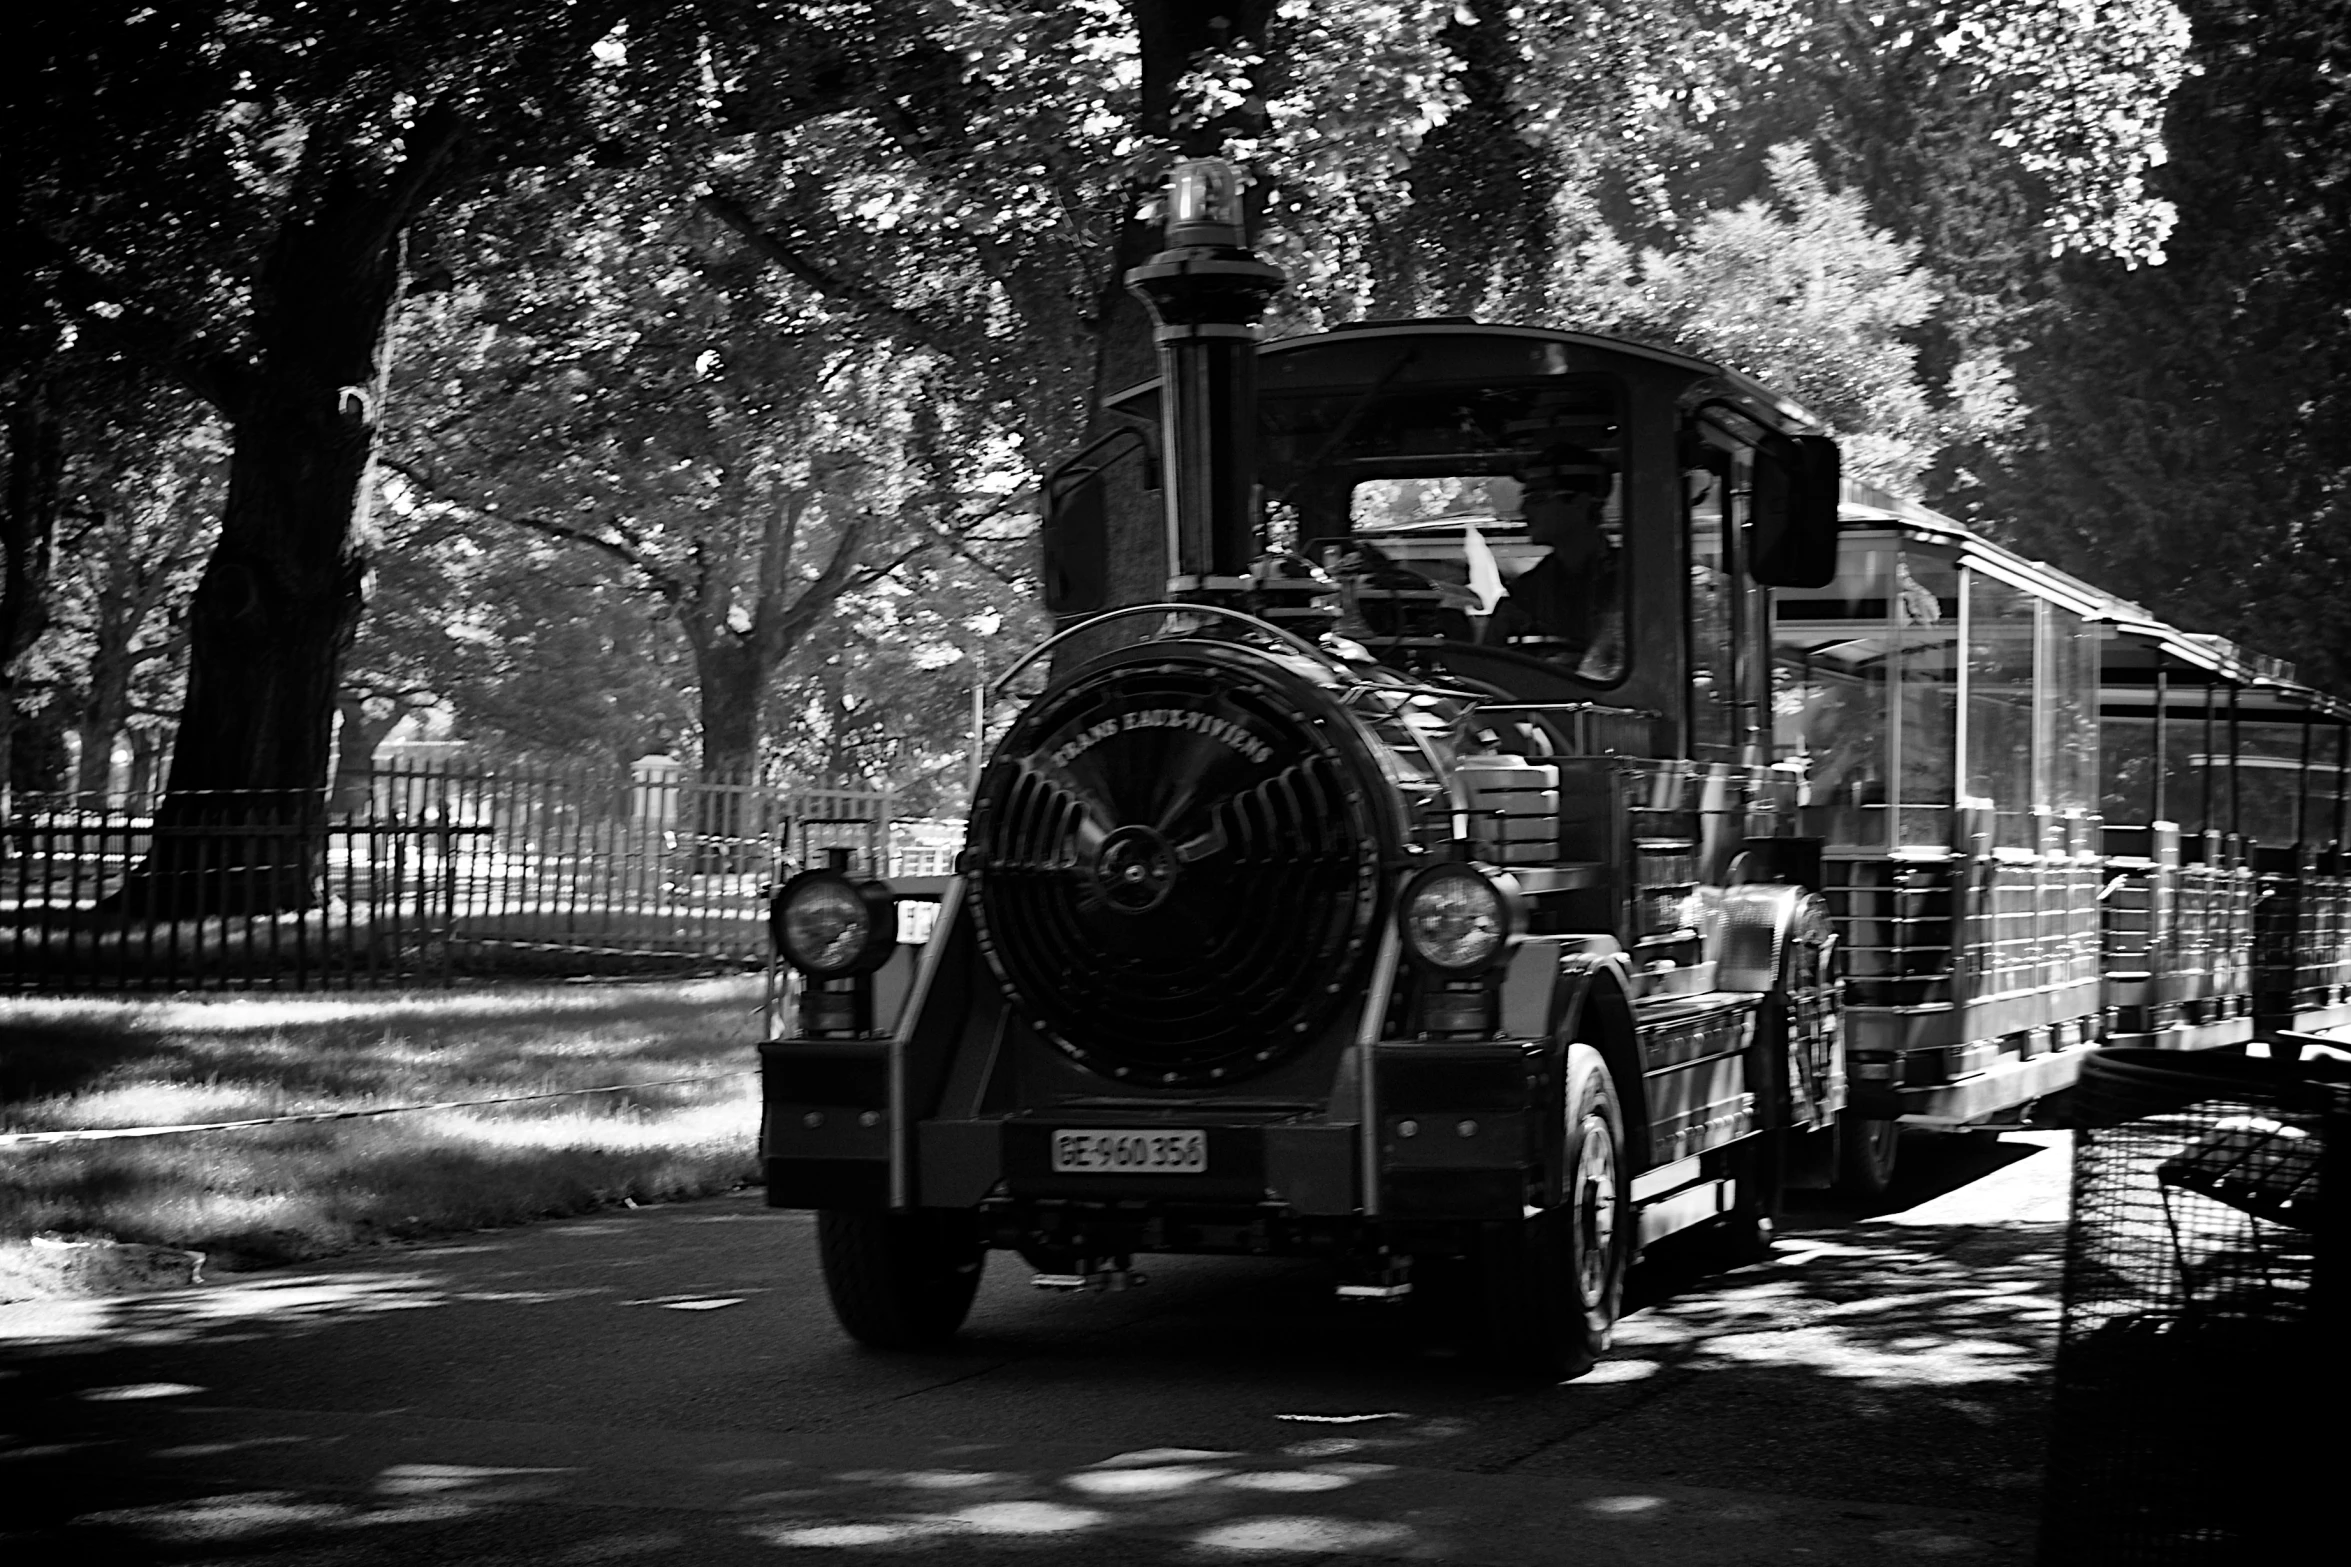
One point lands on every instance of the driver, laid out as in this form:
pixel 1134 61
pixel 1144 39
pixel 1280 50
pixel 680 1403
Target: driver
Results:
pixel 1566 605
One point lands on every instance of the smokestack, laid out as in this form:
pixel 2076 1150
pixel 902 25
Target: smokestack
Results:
pixel 1205 292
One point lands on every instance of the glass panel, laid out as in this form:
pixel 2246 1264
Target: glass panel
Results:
pixel 1926 634
pixel 2002 637
pixel 2126 777
pixel 2068 740
pixel 1833 649
pixel 1493 514
pixel 1713 673
pixel 2196 798
pixel 1532 563
pixel 2269 781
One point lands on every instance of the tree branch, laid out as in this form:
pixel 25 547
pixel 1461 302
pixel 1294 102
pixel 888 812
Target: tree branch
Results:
pixel 663 581
pixel 220 376
pixel 837 577
pixel 874 574
pixel 426 152
pixel 860 297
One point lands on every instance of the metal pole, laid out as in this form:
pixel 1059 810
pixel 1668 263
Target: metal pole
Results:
pixel 2204 825
pixel 2342 781
pixel 2302 790
pixel 979 720
pixel 2162 757
pixel 2236 825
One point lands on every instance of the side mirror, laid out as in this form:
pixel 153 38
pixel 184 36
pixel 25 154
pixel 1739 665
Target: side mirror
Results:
pixel 1792 527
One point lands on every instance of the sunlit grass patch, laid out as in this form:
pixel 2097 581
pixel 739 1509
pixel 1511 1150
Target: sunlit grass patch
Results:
pixel 279 1193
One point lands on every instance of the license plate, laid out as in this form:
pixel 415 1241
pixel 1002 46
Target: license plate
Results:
pixel 1130 1153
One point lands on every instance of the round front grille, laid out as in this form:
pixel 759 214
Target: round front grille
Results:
pixel 1178 866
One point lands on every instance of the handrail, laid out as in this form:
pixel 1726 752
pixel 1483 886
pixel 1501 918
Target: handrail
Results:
pixel 1475 698
pixel 1251 621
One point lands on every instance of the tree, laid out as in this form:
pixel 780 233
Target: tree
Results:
pixel 973 181
pixel 688 415
pixel 1802 292
pixel 29 502
pixel 144 495
pixel 223 190
pixel 532 646
pixel 2191 442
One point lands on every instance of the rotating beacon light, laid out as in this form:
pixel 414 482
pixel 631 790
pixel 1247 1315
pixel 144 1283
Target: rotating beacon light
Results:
pixel 1205 292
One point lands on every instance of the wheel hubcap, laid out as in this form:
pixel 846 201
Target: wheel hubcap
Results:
pixel 1595 1209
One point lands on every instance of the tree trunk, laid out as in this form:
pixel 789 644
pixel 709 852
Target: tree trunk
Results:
pixel 241 827
pixel 28 522
pixel 105 710
pixel 95 768
pixel 733 677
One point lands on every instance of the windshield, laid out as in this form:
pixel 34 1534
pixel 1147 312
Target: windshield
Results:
pixel 1491 515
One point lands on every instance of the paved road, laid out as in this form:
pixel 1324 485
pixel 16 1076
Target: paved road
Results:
pixel 666 1385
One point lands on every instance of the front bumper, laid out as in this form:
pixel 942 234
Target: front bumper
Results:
pixel 1460 1132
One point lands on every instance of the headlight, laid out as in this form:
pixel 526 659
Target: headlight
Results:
pixel 827 925
pixel 1456 918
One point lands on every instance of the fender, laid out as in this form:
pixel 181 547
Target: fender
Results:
pixel 1754 925
pixel 1564 990
pixel 1776 940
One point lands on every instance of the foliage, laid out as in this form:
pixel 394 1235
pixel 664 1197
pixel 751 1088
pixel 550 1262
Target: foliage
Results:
pixel 641 389
pixel 529 645
pixel 737 335
pixel 2190 442
pixel 220 191
pixel 142 501
pixel 1802 293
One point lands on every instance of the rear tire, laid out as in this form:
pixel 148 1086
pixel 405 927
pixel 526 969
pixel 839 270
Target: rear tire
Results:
pixel 899 1280
pixel 1552 1284
pixel 1866 1155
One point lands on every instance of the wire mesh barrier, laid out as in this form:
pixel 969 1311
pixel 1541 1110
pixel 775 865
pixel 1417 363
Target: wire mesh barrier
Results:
pixel 436 873
pixel 2199 1368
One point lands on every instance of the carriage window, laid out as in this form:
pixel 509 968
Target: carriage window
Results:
pixel 2269 761
pixel 2128 765
pixel 2003 636
pixel 2068 740
pixel 1864 685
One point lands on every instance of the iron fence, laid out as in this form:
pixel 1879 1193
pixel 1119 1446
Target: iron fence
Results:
pixel 438 872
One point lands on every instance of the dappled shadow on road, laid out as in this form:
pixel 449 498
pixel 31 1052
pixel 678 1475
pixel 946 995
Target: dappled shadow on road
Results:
pixel 1320 1498
pixel 1875 1391
pixel 1890 1363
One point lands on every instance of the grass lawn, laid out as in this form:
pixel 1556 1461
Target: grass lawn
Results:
pixel 279 1194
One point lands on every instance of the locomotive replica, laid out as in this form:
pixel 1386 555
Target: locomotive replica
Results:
pixel 1550 812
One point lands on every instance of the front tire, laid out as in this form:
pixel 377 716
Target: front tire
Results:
pixel 899 1280
pixel 1553 1283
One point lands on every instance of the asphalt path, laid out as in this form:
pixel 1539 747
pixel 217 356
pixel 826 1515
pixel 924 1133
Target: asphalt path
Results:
pixel 666 1384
